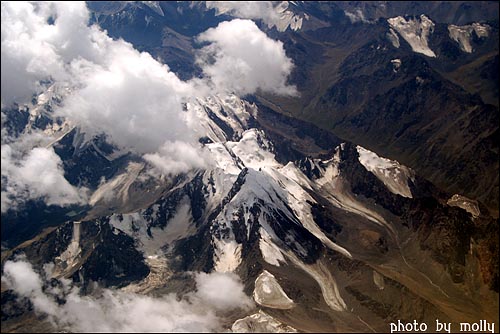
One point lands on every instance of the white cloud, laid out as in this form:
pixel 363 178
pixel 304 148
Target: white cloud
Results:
pixel 113 88
pixel 118 311
pixel 209 290
pixel 131 97
pixel 26 58
pixel 35 175
pixel 109 87
pixel 242 59
pixel 27 283
pixel 263 10
pixel 33 50
pixel 175 157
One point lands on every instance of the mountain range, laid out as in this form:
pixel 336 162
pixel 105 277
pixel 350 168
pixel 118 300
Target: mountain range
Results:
pixel 365 196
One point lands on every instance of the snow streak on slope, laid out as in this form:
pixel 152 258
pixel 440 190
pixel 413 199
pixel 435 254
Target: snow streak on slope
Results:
pixel 395 176
pixel 270 252
pixel 326 281
pixel 118 187
pixel 155 6
pixel 227 255
pixel 415 31
pixel 393 38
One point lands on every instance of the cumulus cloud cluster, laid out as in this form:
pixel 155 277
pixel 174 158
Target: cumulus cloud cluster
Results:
pixel 37 175
pixel 242 58
pixel 109 87
pixel 33 49
pixel 113 88
pixel 32 170
pixel 132 98
pixel 117 311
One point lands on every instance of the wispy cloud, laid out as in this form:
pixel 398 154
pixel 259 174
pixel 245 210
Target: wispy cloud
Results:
pixel 356 16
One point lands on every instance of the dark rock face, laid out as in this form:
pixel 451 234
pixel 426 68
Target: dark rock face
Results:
pixel 13 306
pixel 15 121
pixel 194 253
pixel 488 248
pixel 32 218
pixel 113 259
pixel 75 157
pixel 443 230
pixel 422 120
pixel 107 256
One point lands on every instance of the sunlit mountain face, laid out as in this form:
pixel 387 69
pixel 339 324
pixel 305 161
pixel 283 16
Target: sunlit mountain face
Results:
pixel 249 166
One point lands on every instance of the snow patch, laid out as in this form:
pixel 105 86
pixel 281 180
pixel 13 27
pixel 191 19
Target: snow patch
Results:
pixel 152 244
pixel 396 64
pixel 469 205
pixel 463 34
pixel 70 257
pixel 320 273
pixel 223 159
pixel 269 293
pixel 482 30
pixel 260 323
pixel 415 31
pixel 254 150
pixel 179 226
pixel 272 14
pixel 378 280
pixel 394 175
pixel 356 16
pixel 292 172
